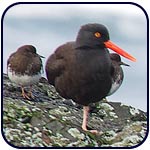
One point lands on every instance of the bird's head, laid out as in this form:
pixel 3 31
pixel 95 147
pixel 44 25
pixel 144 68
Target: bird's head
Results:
pixel 97 35
pixel 28 49
pixel 117 59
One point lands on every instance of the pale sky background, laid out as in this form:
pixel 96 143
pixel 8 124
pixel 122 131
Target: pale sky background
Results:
pixel 48 26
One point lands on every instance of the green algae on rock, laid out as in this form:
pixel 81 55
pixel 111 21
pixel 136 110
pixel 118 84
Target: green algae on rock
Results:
pixel 51 121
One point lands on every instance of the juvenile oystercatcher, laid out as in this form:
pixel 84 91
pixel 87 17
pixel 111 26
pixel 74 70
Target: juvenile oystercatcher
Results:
pixel 81 70
pixel 24 67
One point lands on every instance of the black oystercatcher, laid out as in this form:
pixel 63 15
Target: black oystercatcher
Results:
pixel 116 73
pixel 24 67
pixel 81 70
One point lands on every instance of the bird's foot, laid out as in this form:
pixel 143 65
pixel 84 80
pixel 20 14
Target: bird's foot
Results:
pixel 92 131
pixel 24 95
pixel 31 95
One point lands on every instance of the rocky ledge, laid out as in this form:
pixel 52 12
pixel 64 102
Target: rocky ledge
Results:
pixel 52 121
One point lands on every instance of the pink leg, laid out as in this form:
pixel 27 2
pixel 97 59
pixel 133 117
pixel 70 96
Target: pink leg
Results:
pixel 85 120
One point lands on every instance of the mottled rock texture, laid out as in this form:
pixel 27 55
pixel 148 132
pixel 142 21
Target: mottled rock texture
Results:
pixel 51 121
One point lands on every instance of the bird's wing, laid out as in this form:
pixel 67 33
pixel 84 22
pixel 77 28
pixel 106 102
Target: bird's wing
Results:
pixel 56 63
pixel 33 64
pixel 12 62
pixel 9 59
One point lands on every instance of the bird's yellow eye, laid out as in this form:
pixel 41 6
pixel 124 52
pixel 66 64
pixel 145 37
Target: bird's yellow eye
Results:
pixel 97 34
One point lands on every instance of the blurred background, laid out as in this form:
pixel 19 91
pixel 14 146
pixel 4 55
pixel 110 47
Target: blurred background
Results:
pixel 47 26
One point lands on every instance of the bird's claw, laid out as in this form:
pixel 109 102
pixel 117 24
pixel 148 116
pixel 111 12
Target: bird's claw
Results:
pixel 28 95
pixel 24 95
pixel 31 95
pixel 91 131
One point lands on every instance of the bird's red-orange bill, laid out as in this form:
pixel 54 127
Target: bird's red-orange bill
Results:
pixel 118 50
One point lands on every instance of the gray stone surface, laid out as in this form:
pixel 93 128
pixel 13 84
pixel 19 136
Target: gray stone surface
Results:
pixel 51 121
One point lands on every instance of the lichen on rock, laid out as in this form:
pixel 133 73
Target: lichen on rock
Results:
pixel 52 121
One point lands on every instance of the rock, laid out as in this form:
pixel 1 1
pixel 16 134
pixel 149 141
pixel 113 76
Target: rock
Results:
pixel 52 121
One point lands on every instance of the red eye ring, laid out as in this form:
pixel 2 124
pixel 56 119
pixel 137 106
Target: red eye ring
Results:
pixel 97 34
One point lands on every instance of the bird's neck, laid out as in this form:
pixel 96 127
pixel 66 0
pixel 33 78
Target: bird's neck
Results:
pixel 87 44
pixel 86 47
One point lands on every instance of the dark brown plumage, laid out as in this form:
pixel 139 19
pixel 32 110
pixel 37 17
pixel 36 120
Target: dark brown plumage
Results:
pixel 81 70
pixel 25 61
pixel 24 67
pixel 67 72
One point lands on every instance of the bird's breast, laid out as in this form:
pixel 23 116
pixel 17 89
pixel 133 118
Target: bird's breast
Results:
pixel 23 79
pixel 93 61
pixel 86 76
